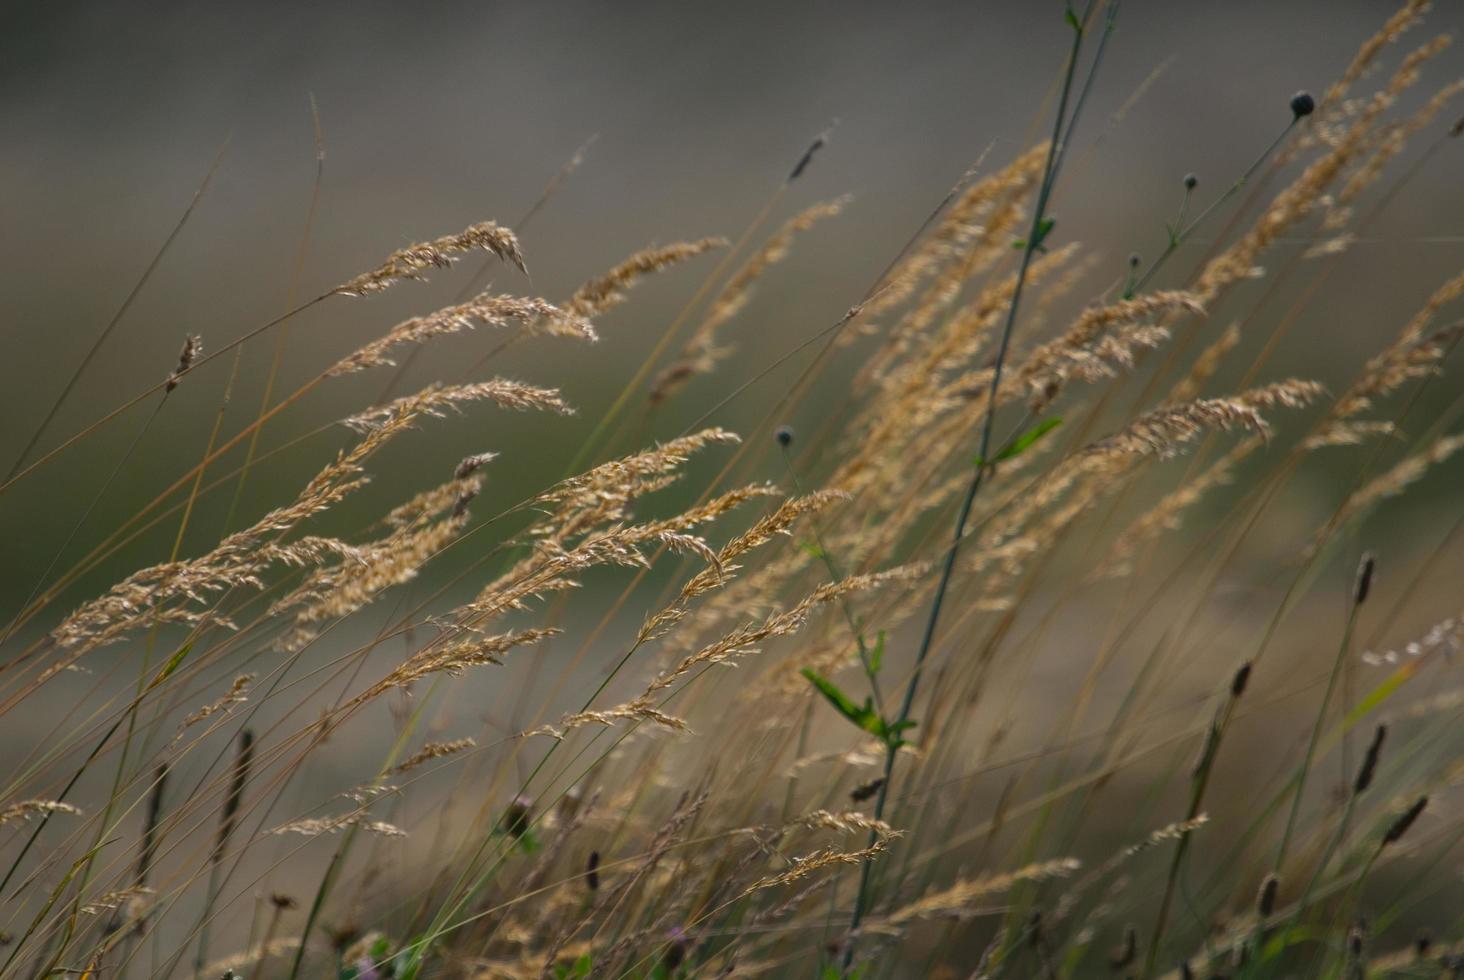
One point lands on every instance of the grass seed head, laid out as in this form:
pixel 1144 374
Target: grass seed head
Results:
pixel 192 350
pixel 1266 897
pixel 1404 821
pixel 1363 585
pixel 1369 761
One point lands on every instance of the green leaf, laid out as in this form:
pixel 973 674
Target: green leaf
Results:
pixel 889 733
pixel 830 690
pixel 1293 936
pixel 863 716
pixel 1380 694
pixel 1023 442
pixel 812 548
pixel 1043 227
pixel 172 664
pixel 1072 19
pixel 1028 439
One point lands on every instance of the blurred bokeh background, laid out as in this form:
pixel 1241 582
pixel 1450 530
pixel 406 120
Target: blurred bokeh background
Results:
pixel 435 116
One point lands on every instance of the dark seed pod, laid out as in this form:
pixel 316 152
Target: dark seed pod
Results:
pixel 592 871
pixel 1191 182
pixel 1302 104
pixel 242 762
pixel 1422 944
pixel 1123 954
pixel 1266 899
pixel 515 819
pixel 1363 584
pixel 675 954
pixel 1135 259
pixel 150 827
pixel 807 158
pixel 864 791
pixel 784 435
pixel 1240 680
pixel 1405 820
pixel 1370 761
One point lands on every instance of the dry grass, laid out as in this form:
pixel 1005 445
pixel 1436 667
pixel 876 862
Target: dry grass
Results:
pixel 1105 768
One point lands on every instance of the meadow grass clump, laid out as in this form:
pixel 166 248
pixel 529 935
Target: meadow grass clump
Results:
pixel 1020 659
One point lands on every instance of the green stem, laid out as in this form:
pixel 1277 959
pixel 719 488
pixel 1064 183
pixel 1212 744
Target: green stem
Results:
pixel 1197 797
pixel 1180 235
pixel 1039 213
pixel 137 288
pixel 1316 735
